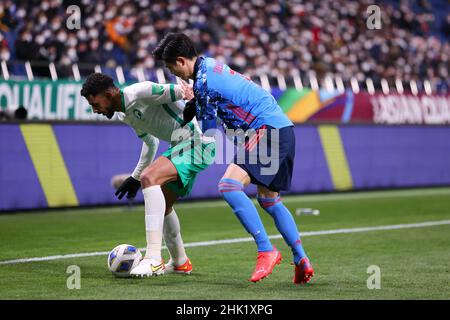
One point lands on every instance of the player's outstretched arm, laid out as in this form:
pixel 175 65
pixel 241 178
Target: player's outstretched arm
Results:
pixel 148 151
pixel 132 184
pixel 159 93
pixel 129 187
pixel 189 112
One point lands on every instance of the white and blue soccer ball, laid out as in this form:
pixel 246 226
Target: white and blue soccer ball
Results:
pixel 122 259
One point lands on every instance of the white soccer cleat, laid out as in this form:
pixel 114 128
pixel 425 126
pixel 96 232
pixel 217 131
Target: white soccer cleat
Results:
pixel 148 267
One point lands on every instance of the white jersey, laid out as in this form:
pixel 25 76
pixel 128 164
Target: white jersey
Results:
pixel 154 111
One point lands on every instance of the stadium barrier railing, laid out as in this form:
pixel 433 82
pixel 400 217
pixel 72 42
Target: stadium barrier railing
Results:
pixel 293 79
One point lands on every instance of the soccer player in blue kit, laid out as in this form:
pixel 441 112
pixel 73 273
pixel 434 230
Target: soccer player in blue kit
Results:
pixel 241 104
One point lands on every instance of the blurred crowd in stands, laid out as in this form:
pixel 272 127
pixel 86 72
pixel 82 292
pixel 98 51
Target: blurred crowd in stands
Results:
pixel 254 37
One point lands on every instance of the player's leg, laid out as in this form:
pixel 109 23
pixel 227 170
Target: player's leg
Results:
pixel 189 159
pixel 153 177
pixel 231 186
pixel 271 202
pixel 178 262
pixel 159 172
pixel 283 149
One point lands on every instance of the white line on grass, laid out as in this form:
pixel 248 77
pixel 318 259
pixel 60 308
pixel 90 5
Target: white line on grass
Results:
pixel 249 239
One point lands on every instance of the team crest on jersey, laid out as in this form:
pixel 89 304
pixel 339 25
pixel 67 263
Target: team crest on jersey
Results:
pixel 157 89
pixel 138 114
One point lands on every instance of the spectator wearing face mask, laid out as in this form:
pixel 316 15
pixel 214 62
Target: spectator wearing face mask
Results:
pixel 327 37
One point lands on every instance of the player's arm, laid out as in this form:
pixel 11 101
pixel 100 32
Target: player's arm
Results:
pixel 159 93
pixel 190 112
pixel 208 113
pixel 132 184
pixel 149 147
pixel 207 110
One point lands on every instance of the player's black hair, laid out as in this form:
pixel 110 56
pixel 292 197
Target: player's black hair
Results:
pixel 174 45
pixel 96 83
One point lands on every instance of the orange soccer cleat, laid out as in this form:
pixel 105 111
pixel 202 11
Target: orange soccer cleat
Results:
pixel 185 268
pixel 265 263
pixel 303 271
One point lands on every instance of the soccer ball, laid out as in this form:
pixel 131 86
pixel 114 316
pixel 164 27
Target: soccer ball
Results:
pixel 122 259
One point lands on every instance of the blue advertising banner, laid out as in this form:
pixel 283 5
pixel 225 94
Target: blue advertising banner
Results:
pixel 64 165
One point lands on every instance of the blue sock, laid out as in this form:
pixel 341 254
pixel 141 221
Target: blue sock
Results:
pixel 245 211
pixel 285 223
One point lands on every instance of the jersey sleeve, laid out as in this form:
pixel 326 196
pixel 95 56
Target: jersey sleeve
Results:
pixel 158 93
pixel 149 147
pixel 206 107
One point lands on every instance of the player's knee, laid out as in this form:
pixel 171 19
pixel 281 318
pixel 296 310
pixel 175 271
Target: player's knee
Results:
pixel 264 192
pixel 268 203
pixel 228 185
pixel 148 179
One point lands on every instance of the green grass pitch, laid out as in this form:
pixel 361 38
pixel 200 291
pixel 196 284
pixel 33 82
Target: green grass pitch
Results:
pixel 414 262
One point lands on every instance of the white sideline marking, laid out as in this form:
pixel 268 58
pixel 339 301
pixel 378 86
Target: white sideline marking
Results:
pixel 249 239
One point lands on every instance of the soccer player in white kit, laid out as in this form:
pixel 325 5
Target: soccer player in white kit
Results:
pixel 155 111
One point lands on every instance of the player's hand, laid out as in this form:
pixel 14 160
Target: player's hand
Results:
pixel 130 186
pixel 188 92
pixel 189 112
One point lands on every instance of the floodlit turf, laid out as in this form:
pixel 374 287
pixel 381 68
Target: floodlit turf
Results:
pixel 414 262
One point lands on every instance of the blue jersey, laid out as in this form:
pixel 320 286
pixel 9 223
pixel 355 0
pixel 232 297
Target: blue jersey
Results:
pixel 235 99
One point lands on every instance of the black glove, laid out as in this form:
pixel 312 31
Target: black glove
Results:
pixel 131 186
pixel 189 112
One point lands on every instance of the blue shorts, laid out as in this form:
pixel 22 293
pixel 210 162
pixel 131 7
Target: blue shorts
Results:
pixel 268 157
